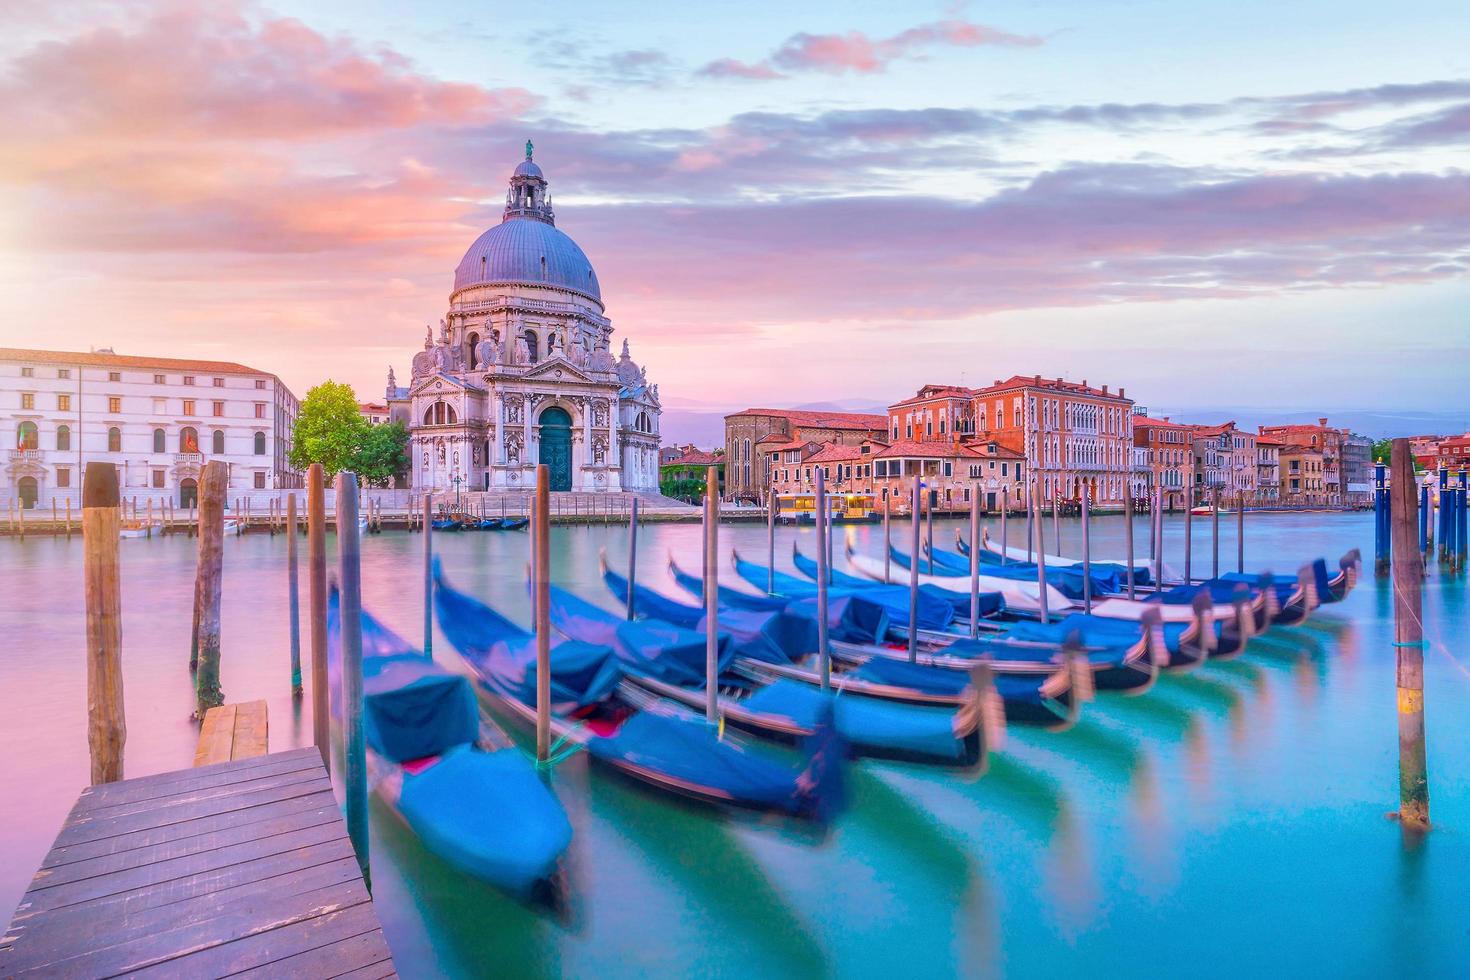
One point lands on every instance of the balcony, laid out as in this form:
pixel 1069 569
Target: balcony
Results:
pixel 197 459
pixel 25 455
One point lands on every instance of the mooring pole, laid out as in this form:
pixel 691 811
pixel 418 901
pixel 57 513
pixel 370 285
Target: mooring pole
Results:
pixel 914 574
pixel 1424 522
pixel 1030 518
pixel 1128 534
pixel 887 539
pixel 1157 524
pixel 1189 539
pixel 293 596
pixel 1041 566
pixel 541 592
pixel 974 561
pixel 354 739
pixel 316 580
pixel 1461 514
pixel 632 553
pixel 107 730
pixel 429 575
pixel 1215 533
pixel 213 488
pixel 1408 584
pixel 929 532
pixel 712 594
pixel 1087 548
pixel 1005 509
pixel 1382 540
pixel 68 518
pixel 1056 518
pixel 1441 526
pixel 823 569
pixel 1240 532
pixel 771 540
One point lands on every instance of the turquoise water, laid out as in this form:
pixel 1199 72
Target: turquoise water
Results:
pixel 1231 821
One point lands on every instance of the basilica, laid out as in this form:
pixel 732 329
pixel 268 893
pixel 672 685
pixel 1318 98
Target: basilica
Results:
pixel 521 370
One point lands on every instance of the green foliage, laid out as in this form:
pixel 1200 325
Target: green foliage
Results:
pixel 383 456
pixel 681 487
pixel 328 429
pixel 1382 450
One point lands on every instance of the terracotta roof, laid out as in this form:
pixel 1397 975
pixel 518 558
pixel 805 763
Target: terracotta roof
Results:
pixel 1054 384
pixel 784 446
pixel 125 360
pixel 694 457
pixel 932 392
pixel 929 450
pixel 823 420
pixel 371 407
pixel 833 453
pixel 1144 422
pixel 1269 441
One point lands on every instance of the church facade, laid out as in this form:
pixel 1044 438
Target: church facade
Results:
pixel 521 371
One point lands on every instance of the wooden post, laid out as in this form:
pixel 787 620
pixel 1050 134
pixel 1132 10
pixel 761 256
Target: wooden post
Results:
pixel 929 531
pixel 1056 519
pixel 354 739
pixel 1424 522
pixel 54 520
pixel 823 570
pixel 712 594
pixel 771 540
pixel 541 591
pixel 914 574
pixel 21 513
pixel 1087 548
pixel 107 730
pixel 428 575
pixel 1128 534
pixel 632 553
pixel 1215 533
pixel 1158 534
pixel 68 518
pixel 1005 510
pixel 1030 517
pixel 213 487
pixel 1408 642
pixel 150 517
pixel 1240 532
pixel 1188 538
pixel 293 596
pixel 1040 561
pixel 888 539
pixel 975 561
pixel 316 577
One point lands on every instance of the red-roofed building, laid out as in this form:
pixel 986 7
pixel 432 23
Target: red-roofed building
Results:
pixel 1224 462
pixel 1169 457
pixel 749 435
pixel 1321 446
pixel 1268 470
pixel 683 471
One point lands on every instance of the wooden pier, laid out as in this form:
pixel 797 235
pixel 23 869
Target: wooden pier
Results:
pixel 238 867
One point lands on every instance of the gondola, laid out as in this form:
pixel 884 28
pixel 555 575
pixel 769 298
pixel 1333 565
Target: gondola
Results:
pixel 1070 580
pixel 1021 598
pixel 668 661
pixel 1142 570
pixel 774 645
pixel 933 613
pixel 464 790
pixel 992 604
pixel 653 742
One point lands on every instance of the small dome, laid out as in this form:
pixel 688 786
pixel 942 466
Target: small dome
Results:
pixel 528 168
pixel 523 251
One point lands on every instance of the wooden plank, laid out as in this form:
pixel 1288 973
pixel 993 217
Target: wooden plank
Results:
pixel 216 736
pixel 366 952
pixel 86 830
pixel 196 779
pixel 266 948
pixel 61 928
pixel 98 795
pixel 251 730
pixel 228 930
pixel 378 971
pixel 170 800
pixel 43 897
pixel 186 832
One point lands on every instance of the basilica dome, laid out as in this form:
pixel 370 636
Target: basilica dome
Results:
pixel 526 248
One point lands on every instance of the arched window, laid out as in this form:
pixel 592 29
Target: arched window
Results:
pixel 472 357
pixel 158 441
pixel 188 439
pixel 532 345
pixel 63 437
pixel 218 447
pixel 114 440
pixel 429 415
pixel 439 414
pixel 449 414
pixel 260 444
pixel 28 437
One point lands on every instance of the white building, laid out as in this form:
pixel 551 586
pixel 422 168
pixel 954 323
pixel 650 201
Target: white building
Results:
pixel 522 370
pixel 158 419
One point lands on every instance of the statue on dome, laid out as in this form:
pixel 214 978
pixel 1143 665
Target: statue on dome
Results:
pixel 529 147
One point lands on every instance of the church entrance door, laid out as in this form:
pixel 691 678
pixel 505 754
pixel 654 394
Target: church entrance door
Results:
pixel 556 447
pixel 28 492
pixel 188 493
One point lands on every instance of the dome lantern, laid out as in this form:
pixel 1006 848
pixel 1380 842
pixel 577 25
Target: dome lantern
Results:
pixel 526 197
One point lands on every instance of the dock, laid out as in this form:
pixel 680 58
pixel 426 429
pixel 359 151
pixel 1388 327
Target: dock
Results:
pixel 238 867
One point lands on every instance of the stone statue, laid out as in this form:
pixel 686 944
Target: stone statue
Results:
pixel 529 148
pixel 513 448
pixel 443 331
pixel 524 350
pixel 487 352
pixel 599 450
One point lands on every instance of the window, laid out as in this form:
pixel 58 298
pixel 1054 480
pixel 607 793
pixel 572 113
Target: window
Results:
pixel 63 403
pixel 260 384
pixel 188 406
pixel 63 476
pixel 260 410
pixel 219 382
pixel 27 436
pixel 219 409
pixel 260 479
pixel 159 379
pixel 948 468
pixel 188 379
pixel 63 437
pixel 114 404
pixel 114 440
pixel 63 373
pixel 114 375
pixel 27 400
pixel 188 439
pixel 158 441
pixel 27 372
pixel 158 479
pixel 260 444
pixel 218 445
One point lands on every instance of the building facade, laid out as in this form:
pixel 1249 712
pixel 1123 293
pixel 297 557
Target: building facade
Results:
pixel 752 435
pixel 1323 441
pixel 1357 470
pixel 1268 470
pixel 521 371
pixel 1168 449
pixel 158 419
pixel 951 472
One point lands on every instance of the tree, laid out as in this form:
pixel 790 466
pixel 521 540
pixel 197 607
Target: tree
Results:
pixel 383 455
pixel 1382 450
pixel 329 429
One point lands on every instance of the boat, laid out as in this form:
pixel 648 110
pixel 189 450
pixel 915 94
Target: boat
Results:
pixel 992 604
pixel 933 613
pixel 655 743
pixel 843 508
pixel 668 661
pixel 772 645
pixel 1070 580
pixel 1142 570
pixel 459 784
pixel 138 529
pixel 1021 598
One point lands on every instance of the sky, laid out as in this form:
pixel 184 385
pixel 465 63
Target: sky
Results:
pixel 1208 203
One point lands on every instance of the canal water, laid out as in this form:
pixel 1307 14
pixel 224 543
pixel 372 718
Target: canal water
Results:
pixel 1231 821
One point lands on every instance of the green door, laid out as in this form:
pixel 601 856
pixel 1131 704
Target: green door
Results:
pixel 556 447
